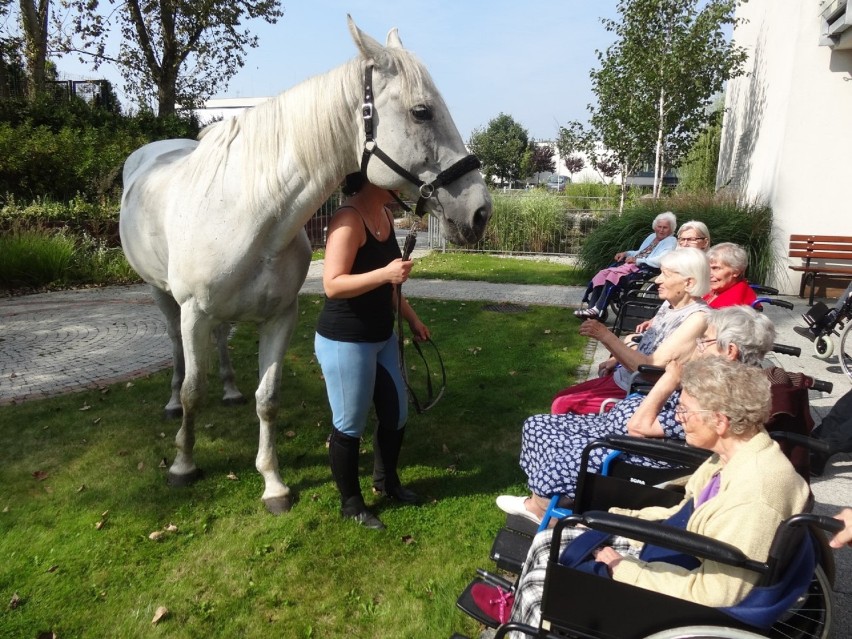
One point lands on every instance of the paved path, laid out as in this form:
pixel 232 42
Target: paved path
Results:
pixel 67 341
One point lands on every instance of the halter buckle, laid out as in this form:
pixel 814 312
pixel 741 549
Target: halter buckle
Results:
pixel 427 191
pixel 367 111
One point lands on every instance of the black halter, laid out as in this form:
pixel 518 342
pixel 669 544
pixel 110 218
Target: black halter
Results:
pixel 371 148
pixel 427 191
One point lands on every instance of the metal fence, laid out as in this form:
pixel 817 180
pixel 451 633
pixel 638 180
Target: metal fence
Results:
pixel 516 227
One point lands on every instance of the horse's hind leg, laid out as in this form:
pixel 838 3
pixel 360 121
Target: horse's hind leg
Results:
pixel 274 338
pixel 171 311
pixel 196 330
pixel 231 395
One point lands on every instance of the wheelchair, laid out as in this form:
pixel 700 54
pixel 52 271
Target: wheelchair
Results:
pixel 825 323
pixel 797 576
pixel 640 303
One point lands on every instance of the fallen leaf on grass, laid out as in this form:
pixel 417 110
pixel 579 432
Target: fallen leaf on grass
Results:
pixel 445 449
pixel 171 528
pixel 85 407
pixel 40 475
pixel 96 421
pixel 81 488
pixel 408 540
pixel 140 466
pixel 129 385
pixel 161 613
pixel 164 463
pixel 157 535
pixel 15 601
pixel 290 433
pixel 103 520
pixel 232 476
pixel 53 569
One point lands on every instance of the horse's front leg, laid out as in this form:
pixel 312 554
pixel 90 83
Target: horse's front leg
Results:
pixel 231 395
pixel 274 338
pixel 195 330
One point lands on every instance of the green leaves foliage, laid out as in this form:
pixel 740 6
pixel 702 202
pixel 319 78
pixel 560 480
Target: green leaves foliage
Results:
pixel 501 147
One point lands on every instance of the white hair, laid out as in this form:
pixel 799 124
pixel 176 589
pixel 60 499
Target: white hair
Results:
pixel 669 218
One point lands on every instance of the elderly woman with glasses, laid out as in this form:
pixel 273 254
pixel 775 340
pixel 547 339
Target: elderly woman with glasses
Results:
pixel 728 286
pixel 739 496
pixel 552 445
pixel 649 253
pixel 693 234
pixel 683 280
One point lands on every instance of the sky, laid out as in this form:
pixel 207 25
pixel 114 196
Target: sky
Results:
pixel 530 59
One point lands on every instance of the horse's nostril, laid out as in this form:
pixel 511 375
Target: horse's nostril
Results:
pixel 481 217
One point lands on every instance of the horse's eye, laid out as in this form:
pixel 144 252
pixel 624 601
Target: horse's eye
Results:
pixel 422 113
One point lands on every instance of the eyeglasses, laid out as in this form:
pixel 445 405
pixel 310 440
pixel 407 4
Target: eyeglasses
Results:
pixel 682 412
pixel 701 344
pixel 690 240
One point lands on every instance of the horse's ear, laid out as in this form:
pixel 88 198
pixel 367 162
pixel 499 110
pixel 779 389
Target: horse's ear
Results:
pixel 393 40
pixel 370 49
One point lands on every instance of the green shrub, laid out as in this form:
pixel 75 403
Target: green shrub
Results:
pixel 749 225
pixel 32 259
pixel 539 222
pixel 76 216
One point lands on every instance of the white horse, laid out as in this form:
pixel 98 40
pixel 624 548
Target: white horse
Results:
pixel 216 226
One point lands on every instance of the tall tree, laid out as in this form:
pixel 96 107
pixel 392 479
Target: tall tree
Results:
pixel 171 51
pixel 538 159
pixel 34 19
pixel 671 58
pixel 501 147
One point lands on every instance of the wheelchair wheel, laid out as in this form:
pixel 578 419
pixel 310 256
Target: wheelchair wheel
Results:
pixel 811 617
pixel 823 347
pixel 845 355
pixel 705 632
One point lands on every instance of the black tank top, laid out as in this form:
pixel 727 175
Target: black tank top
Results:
pixel 369 316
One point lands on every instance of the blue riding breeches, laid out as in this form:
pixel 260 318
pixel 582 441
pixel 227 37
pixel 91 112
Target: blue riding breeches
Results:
pixel 358 374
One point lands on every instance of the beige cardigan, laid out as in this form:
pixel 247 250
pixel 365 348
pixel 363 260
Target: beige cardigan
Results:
pixel 759 488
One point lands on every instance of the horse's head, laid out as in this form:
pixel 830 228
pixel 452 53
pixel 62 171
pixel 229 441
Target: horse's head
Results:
pixel 411 128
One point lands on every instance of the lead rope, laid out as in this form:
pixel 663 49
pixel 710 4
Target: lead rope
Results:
pixel 431 398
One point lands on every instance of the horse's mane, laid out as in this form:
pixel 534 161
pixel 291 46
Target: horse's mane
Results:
pixel 308 122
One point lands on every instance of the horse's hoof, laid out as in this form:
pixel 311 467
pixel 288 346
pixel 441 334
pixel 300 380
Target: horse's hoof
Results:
pixel 278 505
pixel 173 413
pixel 181 481
pixel 234 401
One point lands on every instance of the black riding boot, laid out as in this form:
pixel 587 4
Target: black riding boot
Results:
pixel 387 443
pixel 343 456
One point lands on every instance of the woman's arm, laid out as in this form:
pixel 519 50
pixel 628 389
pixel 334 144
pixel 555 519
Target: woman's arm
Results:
pixel 420 331
pixel 644 422
pixel 346 234
pixel 665 245
pixel 678 345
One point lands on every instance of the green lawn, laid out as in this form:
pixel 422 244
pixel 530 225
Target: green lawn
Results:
pixel 82 488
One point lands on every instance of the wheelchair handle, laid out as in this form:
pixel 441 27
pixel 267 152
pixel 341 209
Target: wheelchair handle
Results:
pixel 768 300
pixel 783 349
pixel 822 386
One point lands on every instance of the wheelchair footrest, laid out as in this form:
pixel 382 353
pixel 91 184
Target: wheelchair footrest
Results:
pixel 509 550
pixel 467 605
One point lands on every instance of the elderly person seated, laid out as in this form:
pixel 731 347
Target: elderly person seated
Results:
pixel 683 280
pixel 728 286
pixel 653 247
pixel 693 234
pixel 552 445
pixel 739 496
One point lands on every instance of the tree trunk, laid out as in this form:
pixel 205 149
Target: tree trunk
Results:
pixel 658 160
pixel 34 21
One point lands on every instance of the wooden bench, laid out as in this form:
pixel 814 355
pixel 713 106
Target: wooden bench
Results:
pixel 821 255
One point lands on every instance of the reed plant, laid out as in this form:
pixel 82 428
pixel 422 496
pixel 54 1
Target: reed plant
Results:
pixel 35 258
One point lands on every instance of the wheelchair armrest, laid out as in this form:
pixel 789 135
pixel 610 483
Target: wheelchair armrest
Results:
pixel 774 302
pixel 760 289
pixel 783 349
pixel 811 443
pixel 667 449
pixel 659 534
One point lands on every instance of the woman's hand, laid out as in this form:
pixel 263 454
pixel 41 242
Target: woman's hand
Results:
pixel 607 367
pixel 397 271
pixel 593 328
pixel 608 556
pixel 619 256
pixel 643 326
pixel 419 330
pixel 845 535
pixel 630 260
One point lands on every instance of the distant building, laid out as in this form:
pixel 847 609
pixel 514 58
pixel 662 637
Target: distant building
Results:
pixel 787 132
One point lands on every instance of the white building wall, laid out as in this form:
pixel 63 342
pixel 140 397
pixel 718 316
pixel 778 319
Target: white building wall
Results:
pixel 787 132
